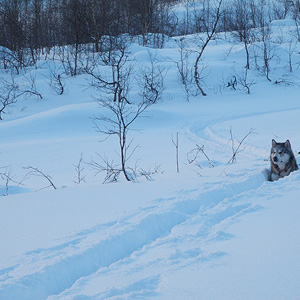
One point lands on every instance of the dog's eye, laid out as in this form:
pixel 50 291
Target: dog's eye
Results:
pixel 280 152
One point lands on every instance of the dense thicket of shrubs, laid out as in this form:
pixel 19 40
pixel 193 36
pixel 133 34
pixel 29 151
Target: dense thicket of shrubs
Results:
pixel 32 27
pixel 45 23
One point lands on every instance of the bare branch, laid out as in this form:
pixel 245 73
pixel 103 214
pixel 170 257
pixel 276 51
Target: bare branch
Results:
pixel 7 176
pixel 193 155
pixel 176 144
pixel 36 172
pixel 112 171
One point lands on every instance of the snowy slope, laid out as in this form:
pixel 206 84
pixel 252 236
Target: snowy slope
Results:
pixel 220 232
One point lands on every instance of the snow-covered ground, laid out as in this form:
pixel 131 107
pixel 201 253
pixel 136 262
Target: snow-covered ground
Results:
pixel 215 230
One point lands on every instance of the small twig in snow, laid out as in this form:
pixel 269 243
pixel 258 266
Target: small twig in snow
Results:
pixel 237 150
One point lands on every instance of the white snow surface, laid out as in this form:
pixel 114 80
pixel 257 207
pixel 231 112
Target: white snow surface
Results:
pixel 220 232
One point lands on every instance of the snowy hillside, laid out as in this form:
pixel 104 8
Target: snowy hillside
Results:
pixel 214 230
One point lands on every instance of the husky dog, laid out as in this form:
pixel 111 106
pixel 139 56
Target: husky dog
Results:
pixel 283 161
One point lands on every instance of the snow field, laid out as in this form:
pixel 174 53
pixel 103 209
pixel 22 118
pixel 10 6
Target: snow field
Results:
pixel 219 232
pixel 86 254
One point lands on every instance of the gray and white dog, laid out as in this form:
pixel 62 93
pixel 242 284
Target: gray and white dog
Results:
pixel 282 159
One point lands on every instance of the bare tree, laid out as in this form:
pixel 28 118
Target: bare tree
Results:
pixel 291 50
pixel 185 72
pixel 121 116
pixel 265 48
pixel 281 8
pixel 210 33
pixel 119 111
pixel 296 17
pixel 164 24
pixel 101 14
pixel 75 28
pixel 116 81
pixel 143 16
pixel 240 25
pixel 268 49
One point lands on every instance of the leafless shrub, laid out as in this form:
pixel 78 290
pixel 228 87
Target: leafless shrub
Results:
pixel 185 71
pixel 15 60
pixel 11 91
pixel 69 57
pixel 287 80
pixel 237 149
pixel 30 89
pixel 194 153
pixel 151 80
pixel 243 81
pixel 146 173
pixel 8 178
pixel 232 83
pixel 8 95
pixel 57 83
pixel 112 171
pixel 149 173
pixel 79 171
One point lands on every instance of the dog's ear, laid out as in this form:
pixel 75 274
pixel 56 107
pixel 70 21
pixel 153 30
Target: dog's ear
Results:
pixel 288 144
pixel 274 143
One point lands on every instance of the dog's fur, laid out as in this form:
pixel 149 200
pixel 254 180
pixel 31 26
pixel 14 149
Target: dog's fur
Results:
pixel 282 159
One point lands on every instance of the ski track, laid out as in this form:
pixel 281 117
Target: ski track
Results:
pixel 210 138
pixel 46 272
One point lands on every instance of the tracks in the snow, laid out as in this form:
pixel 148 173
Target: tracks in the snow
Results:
pixel 51 271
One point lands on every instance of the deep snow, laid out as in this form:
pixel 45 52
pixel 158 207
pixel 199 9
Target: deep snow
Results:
pixel 220 232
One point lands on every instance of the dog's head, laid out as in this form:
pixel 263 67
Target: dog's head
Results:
pixel 281 153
